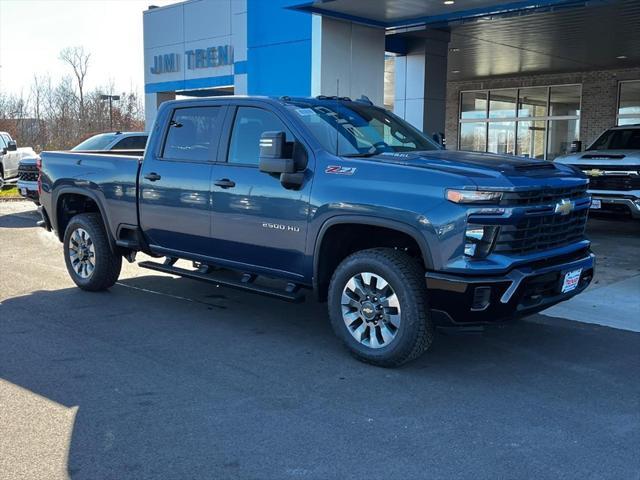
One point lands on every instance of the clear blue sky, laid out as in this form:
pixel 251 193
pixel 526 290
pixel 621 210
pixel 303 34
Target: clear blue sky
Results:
pixel 32 33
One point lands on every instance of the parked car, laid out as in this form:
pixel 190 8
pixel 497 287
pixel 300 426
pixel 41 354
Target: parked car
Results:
pixel 339 196
pixel 10 156
pixel 132 143
pixel 612 163
pixel 114 141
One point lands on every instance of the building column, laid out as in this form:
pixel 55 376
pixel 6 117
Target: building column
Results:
pixel 151 103
pixel 421 83
pixel 347 59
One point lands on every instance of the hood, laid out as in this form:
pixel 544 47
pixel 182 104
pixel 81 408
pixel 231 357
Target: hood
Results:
pixel 602 157
pixel 490 170
pixel 29 160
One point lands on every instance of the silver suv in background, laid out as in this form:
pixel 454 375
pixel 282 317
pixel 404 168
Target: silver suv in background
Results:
pixel 113 141
pixel 612 163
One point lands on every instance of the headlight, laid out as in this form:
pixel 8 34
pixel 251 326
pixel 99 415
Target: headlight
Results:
pixel 473 196
pixel 478 240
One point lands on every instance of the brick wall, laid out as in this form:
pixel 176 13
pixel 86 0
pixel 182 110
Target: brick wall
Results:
pixel 599 97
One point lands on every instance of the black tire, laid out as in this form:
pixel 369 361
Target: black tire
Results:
pixel 405 276
pixel 107 264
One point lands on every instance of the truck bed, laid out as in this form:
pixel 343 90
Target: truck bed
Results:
pixel 110 179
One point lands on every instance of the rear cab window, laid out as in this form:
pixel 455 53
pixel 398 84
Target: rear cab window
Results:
pixel 193 134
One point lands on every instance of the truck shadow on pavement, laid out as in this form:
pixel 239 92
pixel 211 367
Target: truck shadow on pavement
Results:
pixel 176 379
pixel 26 219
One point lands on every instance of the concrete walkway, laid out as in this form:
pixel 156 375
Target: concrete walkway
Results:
pixel 616 305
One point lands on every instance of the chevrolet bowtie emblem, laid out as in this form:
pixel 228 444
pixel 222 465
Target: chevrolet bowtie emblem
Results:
pixel 594 172
pixel 564 207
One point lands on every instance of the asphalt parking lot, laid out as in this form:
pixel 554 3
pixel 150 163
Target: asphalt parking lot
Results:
pixel 169 378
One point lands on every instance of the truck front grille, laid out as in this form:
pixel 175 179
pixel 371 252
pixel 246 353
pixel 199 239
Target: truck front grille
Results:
pixel 540 233
pixel 615 182
pixel 543 196
pixel 28 173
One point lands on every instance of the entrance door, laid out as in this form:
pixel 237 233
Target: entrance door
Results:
pixel 257 221
pixel 175 183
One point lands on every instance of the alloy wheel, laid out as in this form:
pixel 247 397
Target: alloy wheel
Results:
pixel 82 253
pixel 370 310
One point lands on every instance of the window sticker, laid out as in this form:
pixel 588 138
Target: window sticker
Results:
pixel 305 112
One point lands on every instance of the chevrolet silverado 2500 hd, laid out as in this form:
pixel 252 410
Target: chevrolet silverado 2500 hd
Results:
pixel 335 195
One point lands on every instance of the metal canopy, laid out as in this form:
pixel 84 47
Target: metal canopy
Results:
pixel 403 13
pixel 598 37
pixel 500 38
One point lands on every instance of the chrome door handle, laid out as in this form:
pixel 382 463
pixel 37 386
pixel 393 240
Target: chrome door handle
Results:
pixel 225 183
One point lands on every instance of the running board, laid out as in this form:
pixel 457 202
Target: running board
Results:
pixel 290 294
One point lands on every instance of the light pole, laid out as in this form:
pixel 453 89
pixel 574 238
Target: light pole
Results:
pixel 111 98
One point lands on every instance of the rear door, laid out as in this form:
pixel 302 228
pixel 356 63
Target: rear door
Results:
pixel 258 222
pixel 175 182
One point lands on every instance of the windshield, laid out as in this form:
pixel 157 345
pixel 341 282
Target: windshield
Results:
pixel 624 139
pixel 97 142
pixel 351 129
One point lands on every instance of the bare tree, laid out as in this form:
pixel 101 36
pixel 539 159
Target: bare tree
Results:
pixel 79 62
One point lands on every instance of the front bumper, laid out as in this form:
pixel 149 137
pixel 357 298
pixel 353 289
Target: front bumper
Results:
pixel 30 189
pixel 617 202
pixel 477 300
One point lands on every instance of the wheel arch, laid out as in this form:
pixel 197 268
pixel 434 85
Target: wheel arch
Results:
pixel 408 236
pixel 61 221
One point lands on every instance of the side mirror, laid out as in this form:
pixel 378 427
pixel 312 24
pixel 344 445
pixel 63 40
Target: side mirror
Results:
pixel 12 146
pixel 279 157
pixel 273 154
pixel 576 146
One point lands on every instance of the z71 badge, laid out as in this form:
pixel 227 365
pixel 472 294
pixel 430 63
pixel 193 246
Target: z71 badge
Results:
pixel 338 170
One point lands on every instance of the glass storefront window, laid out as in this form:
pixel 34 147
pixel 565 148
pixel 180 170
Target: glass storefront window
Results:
pixel 530 140
pixel 534 122
pixel 560 135
pixel 502 103
pixel 473 136
pixel 629 98
pixel 473 105
pixel 502 137
pixel 629 103
pixel 532 102
pixel 628 121
pixel 564 100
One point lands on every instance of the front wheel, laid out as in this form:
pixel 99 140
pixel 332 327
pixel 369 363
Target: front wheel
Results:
pixel 90 261
pixel 378 307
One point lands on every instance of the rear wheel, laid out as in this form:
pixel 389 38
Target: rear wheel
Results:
pixel 1 179
pixel 378 307
pixel 90 261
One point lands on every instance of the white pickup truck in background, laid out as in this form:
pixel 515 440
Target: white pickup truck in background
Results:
pixel 612 164
pixel 10 156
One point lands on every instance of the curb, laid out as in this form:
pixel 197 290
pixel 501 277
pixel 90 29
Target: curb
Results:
pixel 13 199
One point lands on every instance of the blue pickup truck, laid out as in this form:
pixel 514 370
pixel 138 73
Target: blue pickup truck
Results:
pixel 281 195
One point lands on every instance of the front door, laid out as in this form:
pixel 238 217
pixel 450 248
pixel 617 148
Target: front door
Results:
pixel 175 183
pixel 258 222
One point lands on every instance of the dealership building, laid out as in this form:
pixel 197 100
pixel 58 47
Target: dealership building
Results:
pixel 519 77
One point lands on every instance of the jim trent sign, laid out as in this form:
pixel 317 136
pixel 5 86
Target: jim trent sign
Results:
pixel 194 59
